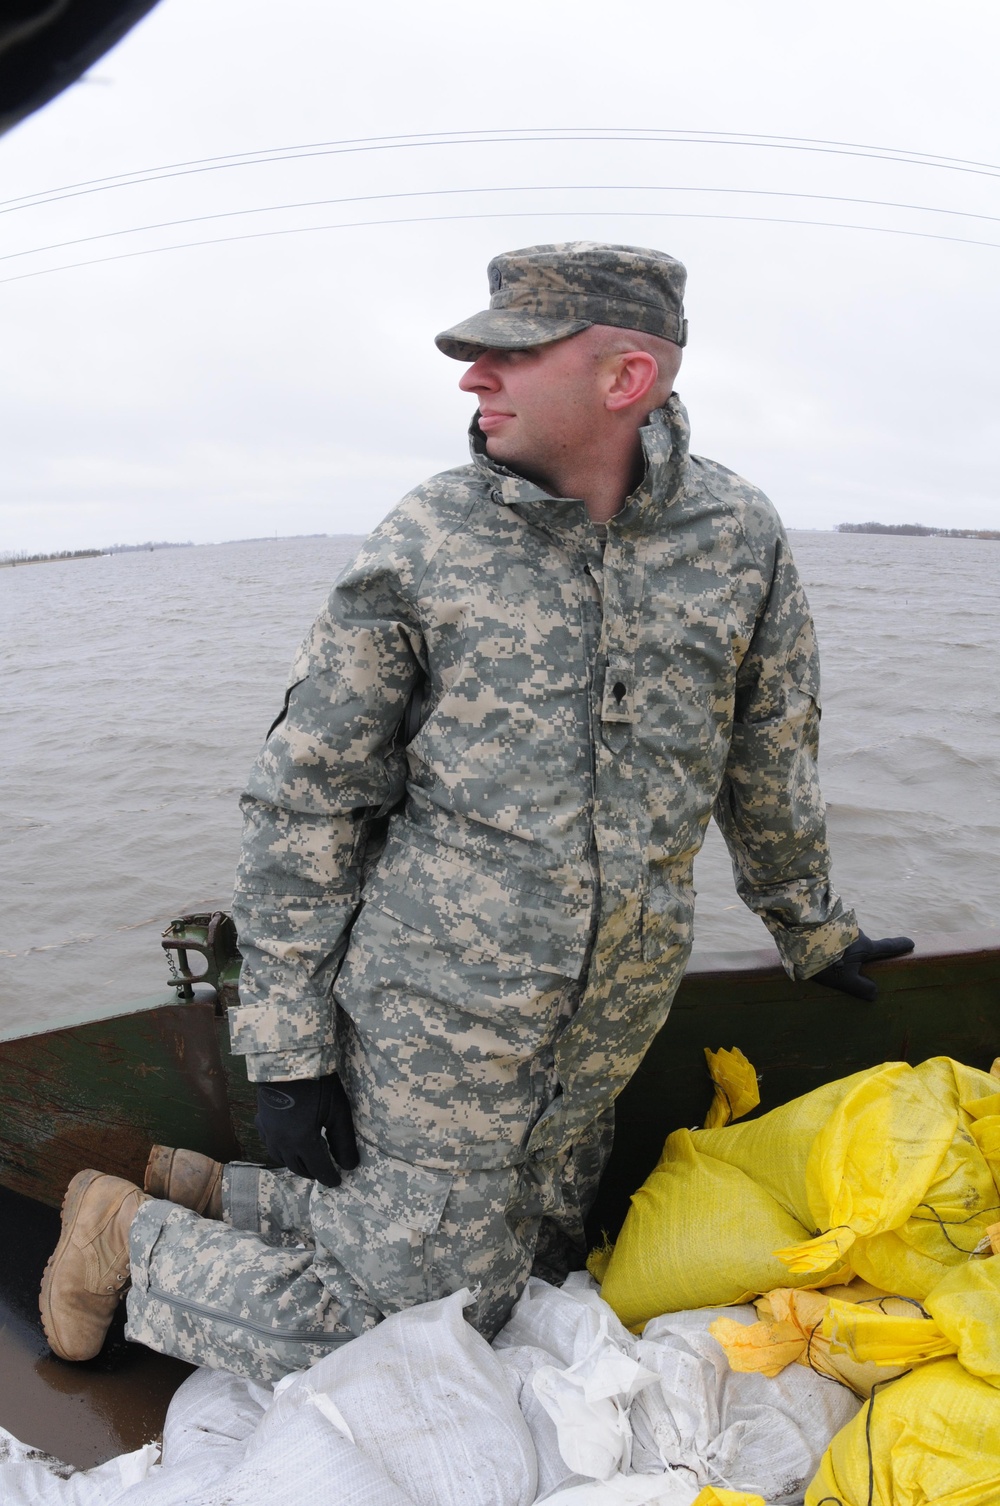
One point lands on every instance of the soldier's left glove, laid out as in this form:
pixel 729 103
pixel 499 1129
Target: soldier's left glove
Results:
pixel 846 975
pixel 307 1126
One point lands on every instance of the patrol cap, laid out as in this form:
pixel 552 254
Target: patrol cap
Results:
pixel 544 293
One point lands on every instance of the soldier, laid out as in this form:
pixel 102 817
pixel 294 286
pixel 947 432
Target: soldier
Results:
pixel 464 897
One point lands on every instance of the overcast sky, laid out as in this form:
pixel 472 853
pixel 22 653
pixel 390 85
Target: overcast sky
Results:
pixel 288 383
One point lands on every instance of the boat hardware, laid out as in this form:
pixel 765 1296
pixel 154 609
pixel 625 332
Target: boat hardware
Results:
pixel 214 938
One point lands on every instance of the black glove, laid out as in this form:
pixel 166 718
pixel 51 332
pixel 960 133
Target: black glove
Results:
pixel 290 1118
pixel 846 975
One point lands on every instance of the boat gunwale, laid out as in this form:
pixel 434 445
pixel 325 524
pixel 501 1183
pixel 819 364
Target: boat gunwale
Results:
pixel 744 965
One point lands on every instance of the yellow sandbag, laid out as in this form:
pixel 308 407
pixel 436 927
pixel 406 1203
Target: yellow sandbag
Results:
pixel 963 1319
pixel 791 1330
pixel 736 1091
pixel 888 1166
pixel 961 1201
pixel 864 1169
pixel 774 1149
pixel 865 1335
pixel 714 1495
pixel 930 1436
pixel 699 1233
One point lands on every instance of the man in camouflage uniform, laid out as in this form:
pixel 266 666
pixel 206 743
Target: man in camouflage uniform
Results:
pixel 465 895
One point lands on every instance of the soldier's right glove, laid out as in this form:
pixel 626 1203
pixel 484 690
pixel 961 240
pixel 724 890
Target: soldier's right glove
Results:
pixel 292 1118
pixel 846 975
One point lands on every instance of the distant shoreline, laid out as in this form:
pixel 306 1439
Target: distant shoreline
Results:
pixel 919 530
pixel 45 559
pixel 906 530
pixel 22 558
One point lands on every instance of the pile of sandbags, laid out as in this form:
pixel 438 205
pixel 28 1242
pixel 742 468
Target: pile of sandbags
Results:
pixel 888 1181
pixel 938 1425
pixel 867 1374
pixel 886 1175
pixel 666 1409
pixel 929 1372
pixel 567 1407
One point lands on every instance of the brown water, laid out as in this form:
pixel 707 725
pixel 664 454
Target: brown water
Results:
pixel 135 689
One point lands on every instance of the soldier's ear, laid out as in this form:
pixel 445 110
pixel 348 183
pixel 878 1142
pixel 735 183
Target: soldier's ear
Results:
pixel 633 376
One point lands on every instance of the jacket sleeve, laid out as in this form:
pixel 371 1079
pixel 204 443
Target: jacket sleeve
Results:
pixel 770 808
pixel 332 763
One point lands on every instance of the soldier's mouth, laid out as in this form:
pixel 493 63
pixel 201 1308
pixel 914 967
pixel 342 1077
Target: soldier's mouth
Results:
pixel 491 419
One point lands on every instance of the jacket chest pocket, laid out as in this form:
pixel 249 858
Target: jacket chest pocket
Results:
pixel 697 627
pixel 377 1222
pixel 480 910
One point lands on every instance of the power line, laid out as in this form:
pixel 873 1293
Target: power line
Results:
pixel 533 135
pixel 512 188
pixel 505 215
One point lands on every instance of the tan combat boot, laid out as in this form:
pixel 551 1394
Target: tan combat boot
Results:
pixel 89 1268
pixel 185 1177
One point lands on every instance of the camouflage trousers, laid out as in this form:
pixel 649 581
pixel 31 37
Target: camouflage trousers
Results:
pixel 295 1268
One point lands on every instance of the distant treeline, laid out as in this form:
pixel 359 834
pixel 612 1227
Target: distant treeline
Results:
pixel 150 544
pixel 274 538
pixel 920 530
pixel 21 557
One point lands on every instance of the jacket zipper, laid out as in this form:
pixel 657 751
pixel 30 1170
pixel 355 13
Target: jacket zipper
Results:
pixel 304 1336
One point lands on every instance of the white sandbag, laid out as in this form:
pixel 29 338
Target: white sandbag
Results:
pixel 589 1404
pixel 29 1477
pixel 212 1411
pixel 521 1363
pixel 563 1320
pixel 427 1399
pixel 740 1431
pixel 551 1331
pixel 579 1376
pixel 307 1461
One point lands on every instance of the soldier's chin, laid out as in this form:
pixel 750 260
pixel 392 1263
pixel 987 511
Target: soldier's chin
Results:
pixel 505 447
pixel 514 459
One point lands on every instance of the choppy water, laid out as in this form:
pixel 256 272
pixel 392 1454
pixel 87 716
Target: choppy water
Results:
pixel 136 689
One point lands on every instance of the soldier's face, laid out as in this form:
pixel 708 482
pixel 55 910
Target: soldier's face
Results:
pixel 537 406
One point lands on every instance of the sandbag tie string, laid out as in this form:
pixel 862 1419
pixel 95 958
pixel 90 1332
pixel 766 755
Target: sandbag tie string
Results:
pixel 878 1386
pixel 955 1222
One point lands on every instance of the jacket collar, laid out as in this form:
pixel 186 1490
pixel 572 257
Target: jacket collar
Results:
pixel 665 438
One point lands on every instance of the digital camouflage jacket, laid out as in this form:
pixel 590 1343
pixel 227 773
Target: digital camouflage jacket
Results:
pixel 482 928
